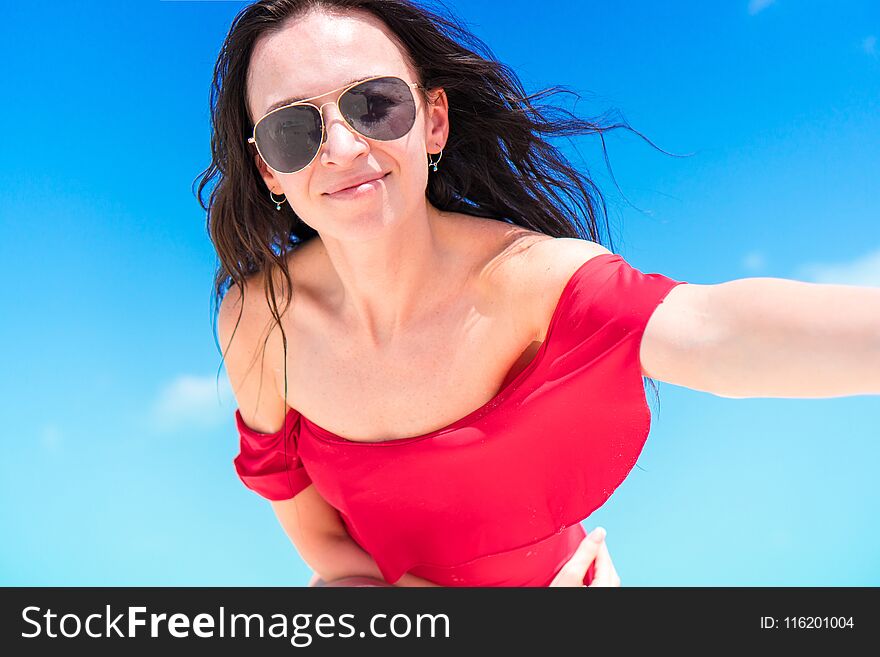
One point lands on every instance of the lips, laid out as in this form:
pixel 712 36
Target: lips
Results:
pixel 356 182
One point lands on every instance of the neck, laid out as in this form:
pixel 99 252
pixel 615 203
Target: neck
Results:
pixel 393 279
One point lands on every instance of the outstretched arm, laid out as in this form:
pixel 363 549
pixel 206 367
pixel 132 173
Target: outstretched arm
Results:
pixel 767 337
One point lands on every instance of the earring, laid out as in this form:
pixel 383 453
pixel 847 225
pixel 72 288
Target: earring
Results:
pixel 432 164
pixel 275 201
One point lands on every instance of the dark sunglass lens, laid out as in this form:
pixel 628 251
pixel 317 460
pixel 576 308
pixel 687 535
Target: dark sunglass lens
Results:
pixel 381 109
pixel 289 138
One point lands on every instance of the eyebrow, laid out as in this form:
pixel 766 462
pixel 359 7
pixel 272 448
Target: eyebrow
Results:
pixel 296 99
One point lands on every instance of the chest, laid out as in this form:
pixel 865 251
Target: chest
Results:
pixel 438 375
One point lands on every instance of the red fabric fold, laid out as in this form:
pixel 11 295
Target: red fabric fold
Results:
pixel 269 463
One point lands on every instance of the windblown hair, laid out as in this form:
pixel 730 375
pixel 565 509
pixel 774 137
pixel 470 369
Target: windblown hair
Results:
pixel 498 162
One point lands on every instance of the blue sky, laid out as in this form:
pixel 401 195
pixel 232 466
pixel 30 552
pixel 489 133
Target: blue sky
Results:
pixel 118 453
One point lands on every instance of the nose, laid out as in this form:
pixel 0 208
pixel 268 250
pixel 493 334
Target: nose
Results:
pixel 341 143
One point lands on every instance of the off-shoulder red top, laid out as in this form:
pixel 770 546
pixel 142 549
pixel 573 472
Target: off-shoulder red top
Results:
pixel 495 498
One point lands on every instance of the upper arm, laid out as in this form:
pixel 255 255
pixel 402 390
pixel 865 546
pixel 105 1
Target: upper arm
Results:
pixel 306 518
pixel 679 338
pixel 248 356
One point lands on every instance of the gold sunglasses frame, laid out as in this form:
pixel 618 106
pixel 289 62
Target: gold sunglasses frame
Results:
pixel 342 90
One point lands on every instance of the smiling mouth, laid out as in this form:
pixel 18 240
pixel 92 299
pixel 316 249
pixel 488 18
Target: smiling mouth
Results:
pixel 348 189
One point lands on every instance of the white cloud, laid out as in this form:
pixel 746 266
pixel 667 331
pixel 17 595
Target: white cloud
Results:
pixel 756 6
pixel 193 402
pixel 754 261
pixel 864 271
pixel 869 45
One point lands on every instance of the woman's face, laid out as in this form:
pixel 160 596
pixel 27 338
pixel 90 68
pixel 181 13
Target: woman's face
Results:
pixel 313 55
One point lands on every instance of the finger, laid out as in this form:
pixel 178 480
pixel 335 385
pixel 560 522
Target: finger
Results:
pixel 615 576
pixel 606 575
pixel 573 572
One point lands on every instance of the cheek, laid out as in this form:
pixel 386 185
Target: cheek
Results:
pixel 412 173
pixel 298 192
pixel 299 185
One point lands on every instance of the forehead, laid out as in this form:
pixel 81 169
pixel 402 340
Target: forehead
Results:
pixel 319 52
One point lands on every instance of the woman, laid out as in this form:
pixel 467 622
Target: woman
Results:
pixel 455 377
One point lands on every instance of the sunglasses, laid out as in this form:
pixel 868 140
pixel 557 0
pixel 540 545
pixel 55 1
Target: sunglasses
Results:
pixel 289 138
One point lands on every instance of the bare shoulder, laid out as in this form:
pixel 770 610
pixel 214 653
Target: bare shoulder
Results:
pixel 550 262
pixel 245 334
pixel 537 268
pixel 243 310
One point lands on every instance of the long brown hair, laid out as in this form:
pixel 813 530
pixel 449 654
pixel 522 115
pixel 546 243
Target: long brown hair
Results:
pixel 498 162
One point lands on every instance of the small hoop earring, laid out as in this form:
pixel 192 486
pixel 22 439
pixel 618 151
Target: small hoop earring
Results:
pixel 276 201
pixel 432 164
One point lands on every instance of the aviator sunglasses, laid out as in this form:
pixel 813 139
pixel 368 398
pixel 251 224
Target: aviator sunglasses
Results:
pixel 289 138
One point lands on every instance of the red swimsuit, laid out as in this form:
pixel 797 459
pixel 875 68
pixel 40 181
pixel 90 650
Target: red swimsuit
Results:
pixel 495 498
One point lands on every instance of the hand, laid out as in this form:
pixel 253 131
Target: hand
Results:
pixel 591 555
